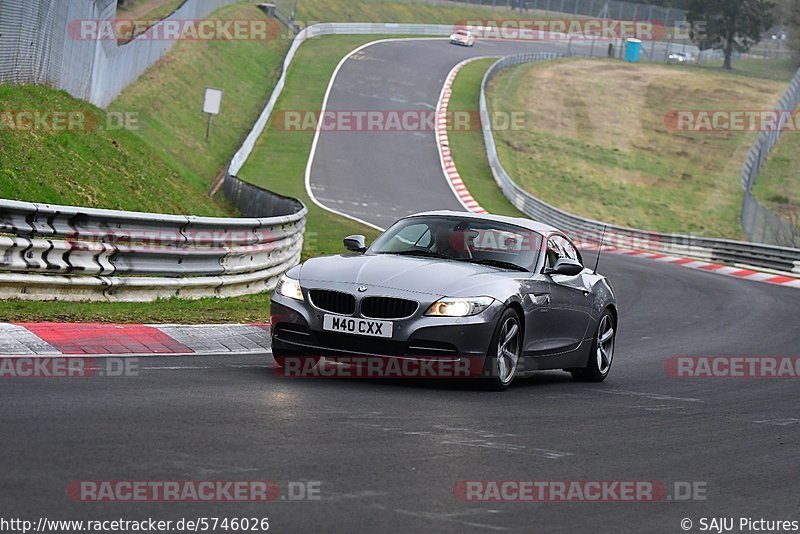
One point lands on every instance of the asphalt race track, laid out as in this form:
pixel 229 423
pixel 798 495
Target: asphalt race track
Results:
pixel 388 453
pixel 380 177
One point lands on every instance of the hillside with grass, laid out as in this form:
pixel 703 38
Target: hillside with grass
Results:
pixel 597 143
pixel 409 11
pixel 161 163
pixel 90 165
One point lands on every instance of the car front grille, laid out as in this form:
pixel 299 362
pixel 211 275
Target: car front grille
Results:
pixel 387 308
pixel 333 301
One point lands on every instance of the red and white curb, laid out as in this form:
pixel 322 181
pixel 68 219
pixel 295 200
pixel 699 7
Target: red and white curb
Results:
pixel 443 144
pixel 470 204
pixel 63 339
pixel 700 265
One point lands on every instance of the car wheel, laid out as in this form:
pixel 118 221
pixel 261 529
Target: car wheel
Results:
pixel 504 352
pixel 602 355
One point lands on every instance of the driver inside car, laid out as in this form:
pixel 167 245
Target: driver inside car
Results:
pixel 453 243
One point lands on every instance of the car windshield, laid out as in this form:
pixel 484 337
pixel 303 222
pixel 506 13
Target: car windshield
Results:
pixel 485 242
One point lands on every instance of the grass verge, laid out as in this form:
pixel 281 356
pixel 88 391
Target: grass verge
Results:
pixel 779 70
pixel 168 98
pixel 279 159
pixel 250 309
pixel 601 147
pixel 163 166
pixel 409 12
pixel 85 165
pixel 778 184
pixel 467 146
pixel 147 9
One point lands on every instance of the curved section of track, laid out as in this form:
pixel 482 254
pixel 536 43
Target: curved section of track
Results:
pixel 378 177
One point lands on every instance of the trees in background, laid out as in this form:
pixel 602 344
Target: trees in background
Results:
pixel 787 13
pixel 729 25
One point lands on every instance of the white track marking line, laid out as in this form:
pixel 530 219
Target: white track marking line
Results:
pixel 653 396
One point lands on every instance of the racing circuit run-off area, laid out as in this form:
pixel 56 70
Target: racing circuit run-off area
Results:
pixel 369 266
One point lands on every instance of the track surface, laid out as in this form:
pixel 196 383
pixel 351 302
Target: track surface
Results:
pixel 380 177
pixel 388 453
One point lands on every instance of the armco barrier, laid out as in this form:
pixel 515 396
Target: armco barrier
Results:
pixel 68 253
pixel 718 250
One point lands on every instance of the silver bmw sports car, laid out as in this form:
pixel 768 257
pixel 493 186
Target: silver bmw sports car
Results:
pixel 493 297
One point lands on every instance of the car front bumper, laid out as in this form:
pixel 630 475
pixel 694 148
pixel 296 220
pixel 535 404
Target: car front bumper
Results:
pixel 297 332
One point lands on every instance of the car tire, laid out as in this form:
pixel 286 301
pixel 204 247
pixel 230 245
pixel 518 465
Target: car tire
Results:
pixel 500 366
pixel 602 355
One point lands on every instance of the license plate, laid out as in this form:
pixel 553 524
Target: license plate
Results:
pixel 361 327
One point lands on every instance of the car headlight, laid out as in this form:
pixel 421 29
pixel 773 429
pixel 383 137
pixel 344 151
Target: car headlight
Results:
pixel 289 287
pixel 459 307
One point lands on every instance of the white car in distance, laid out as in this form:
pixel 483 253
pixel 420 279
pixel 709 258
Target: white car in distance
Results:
pixel 463 38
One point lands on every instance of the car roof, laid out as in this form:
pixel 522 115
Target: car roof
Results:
pixel 528 224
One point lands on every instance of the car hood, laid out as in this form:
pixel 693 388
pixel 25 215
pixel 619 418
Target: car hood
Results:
pixel 420 275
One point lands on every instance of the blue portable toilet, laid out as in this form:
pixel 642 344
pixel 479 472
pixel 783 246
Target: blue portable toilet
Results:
pixel 633 50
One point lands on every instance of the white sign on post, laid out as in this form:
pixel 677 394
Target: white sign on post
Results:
pixel 212 105
pixel 213 101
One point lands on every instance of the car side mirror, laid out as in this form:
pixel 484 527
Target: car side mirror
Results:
pixel 566 267
pixel 355 243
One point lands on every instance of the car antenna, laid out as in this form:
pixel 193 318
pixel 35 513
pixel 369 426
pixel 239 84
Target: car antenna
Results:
pixel 600 251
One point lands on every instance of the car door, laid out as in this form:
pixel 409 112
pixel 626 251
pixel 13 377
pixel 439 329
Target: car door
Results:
pixel 570 299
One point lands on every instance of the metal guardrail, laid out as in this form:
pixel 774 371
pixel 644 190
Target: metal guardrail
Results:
pixel 69 253
pixel 588 230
